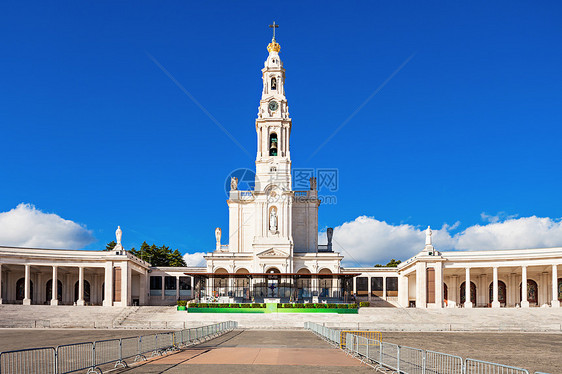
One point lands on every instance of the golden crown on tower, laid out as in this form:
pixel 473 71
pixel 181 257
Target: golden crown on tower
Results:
pixel 273 46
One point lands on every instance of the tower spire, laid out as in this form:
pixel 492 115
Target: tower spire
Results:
pixel 273 46
pixel 274 26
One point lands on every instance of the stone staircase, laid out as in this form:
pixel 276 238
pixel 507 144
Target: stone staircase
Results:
pixel 46 316
pixel 384 319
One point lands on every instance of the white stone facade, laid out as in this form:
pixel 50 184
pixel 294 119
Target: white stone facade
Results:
pixel 273 226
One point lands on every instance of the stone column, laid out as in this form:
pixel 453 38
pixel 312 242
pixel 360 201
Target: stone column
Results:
pixel 142 288
pixel 80 300
pixel 555 303
pixel 384 288
pixel 27 295
pixel 403 291
pixel 125 284
pixel 439 284
pixel 495 301
pixel 467 296
pixel 108 284
pixel 421 285
pixel 524 301
pixel 454 290
pixel 55 288
pixel 354 286
pixel 369 288
pixel 177 287
pixel 163 287
pixel 1 284
pixel 508 291
pixel 37 291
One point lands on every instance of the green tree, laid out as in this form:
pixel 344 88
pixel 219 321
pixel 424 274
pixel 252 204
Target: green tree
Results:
pixel 110 246
pixel 156 256
pixel 159 255
pixel 392 264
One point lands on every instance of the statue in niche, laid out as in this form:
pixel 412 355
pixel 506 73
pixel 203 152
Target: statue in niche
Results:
pixel 312 183
pixel 218 233
pixel 273 220
pixel 273 83
pixel 428 234
pixel 233 184
pixel 118 235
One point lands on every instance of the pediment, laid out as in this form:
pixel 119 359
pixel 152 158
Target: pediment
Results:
pixel 272 252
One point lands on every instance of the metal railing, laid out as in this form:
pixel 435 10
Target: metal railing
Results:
pixel 90 356
pixel 472 366
pixel 375 335
pixel 407 360
pixel 326 333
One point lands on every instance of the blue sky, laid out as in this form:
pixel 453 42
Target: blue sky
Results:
pixel 94 132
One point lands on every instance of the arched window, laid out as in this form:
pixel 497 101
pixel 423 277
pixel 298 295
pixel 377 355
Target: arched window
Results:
pixel 220 282
pixel 20 289
pixel 501 292
pixel 86 291
pixel 472 293
pixel 273 144
pixel 273 83
pixel 49 290
pixel 532 292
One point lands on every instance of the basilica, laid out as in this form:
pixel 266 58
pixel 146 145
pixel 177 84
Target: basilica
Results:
pixel 272 252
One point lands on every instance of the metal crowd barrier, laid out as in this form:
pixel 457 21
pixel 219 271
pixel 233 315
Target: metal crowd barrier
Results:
pixel 90 356
pixel 326 333
pixel 374 335
pixel 407 360
pixel 476 366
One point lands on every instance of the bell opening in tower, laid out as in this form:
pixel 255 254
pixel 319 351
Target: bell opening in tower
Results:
pixel 273 144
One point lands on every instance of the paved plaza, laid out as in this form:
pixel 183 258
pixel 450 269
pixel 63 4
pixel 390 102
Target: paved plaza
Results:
pixel 284 351
pixel 243 351
pixel 531 351
pixel 12 339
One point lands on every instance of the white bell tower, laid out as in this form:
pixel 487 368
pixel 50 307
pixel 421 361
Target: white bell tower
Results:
pixel 273 125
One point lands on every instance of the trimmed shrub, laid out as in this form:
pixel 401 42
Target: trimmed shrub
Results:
pixel 182 302
pixel 364 304
pixel 310 305
pixel 256 305
pixel 245 305
pixel 235 305
pixel 320 306
pixel 332 306
pixel 351 306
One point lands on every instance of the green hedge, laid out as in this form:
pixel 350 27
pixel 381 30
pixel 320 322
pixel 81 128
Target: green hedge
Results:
pixel 317 306
pixel 364 304
pixel 280 306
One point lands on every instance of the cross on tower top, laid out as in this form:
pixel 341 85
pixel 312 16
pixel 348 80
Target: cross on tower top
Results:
pixel 274 26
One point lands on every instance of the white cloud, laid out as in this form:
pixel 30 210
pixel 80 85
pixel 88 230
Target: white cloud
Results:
pixel 26 226
pixel 368 241
pixel 194 259
pixel 514 233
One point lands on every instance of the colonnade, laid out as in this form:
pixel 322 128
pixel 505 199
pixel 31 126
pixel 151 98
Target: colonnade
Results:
pixel 436 285
pixel 110 283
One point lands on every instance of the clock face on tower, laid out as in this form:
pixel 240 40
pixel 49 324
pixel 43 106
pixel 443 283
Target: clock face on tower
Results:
pixel 273 105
